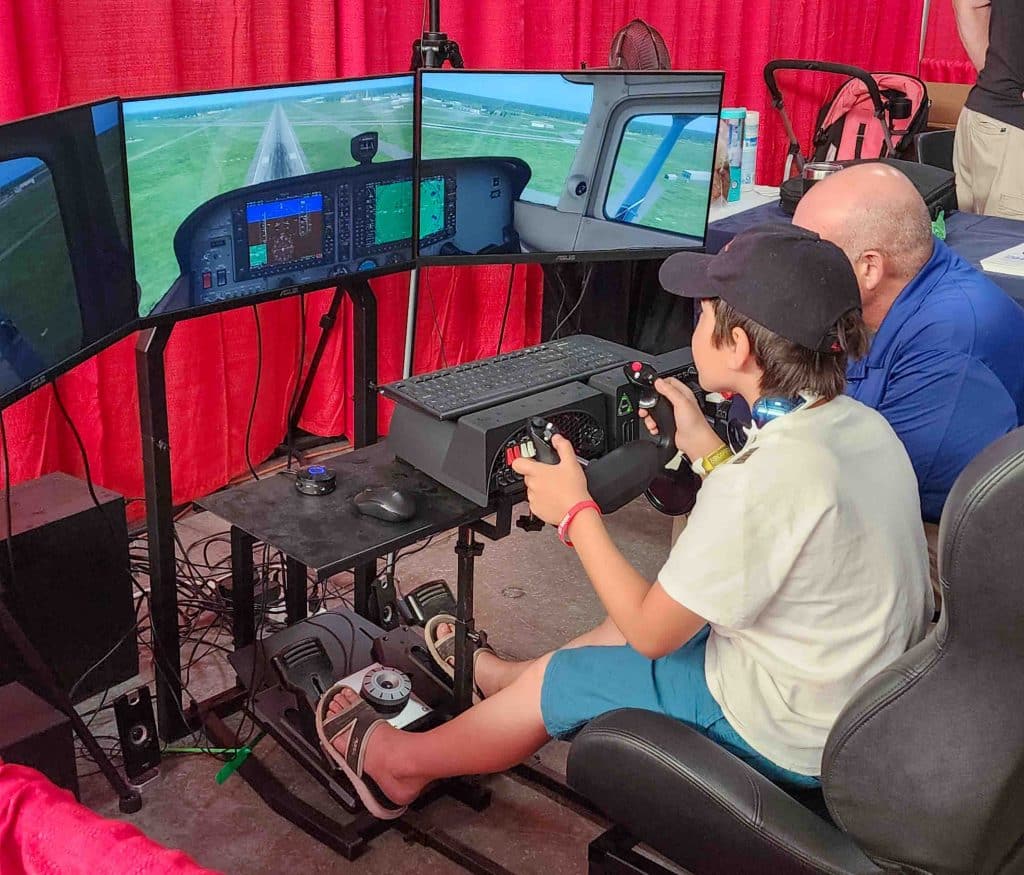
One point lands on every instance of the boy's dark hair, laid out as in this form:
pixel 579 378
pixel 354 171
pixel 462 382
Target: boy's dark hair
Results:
pixel 788 367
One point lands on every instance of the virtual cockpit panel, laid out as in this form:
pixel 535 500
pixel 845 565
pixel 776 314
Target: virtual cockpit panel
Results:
pixel 238 194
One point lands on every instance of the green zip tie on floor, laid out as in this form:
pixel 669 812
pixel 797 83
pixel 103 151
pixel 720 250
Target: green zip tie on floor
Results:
pixel 235 763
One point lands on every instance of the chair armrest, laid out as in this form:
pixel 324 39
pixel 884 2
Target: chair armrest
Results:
pixel 693 801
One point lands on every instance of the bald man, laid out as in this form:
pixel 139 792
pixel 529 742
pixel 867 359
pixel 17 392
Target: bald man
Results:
pixel 946 362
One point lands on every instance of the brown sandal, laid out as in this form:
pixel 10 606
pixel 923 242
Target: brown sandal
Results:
pixel 443 649
pixel 359 719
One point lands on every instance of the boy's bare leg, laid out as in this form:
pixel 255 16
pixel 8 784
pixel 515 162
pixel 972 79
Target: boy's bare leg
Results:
pixel 492 673
pixel 502 730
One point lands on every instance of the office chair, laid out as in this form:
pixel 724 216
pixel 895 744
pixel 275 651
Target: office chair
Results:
pixel 935 148
pixel 923 771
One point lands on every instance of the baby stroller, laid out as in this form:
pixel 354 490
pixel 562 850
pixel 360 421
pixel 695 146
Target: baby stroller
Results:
pixel 870 116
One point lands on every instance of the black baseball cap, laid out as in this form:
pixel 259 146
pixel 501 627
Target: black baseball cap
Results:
pixel 785 278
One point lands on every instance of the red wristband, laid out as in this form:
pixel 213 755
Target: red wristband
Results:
pixel 563 526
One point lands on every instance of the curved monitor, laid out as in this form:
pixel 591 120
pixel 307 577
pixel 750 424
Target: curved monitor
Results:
pixel 521 166
pixel 240 196
pixel 66 283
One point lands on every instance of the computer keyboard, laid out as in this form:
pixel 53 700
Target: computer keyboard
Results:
pixel 454 392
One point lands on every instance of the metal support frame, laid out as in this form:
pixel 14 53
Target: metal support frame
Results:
pixel 430 51
pixel 163 580
pixel 467 548
pixel 613 853
pixel 156 460
pixel 364 360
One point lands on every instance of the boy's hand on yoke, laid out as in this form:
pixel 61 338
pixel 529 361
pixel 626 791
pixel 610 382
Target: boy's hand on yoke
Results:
pixel 553 490
pixel 693 434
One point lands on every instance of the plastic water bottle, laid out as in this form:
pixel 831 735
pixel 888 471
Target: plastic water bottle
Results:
pixel 734 119
pixel 750 126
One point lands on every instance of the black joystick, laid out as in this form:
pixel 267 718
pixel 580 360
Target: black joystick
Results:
pixel 541 433
pixel 643 375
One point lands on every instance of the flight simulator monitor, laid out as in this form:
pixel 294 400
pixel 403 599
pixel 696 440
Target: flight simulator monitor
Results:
pixel 66 284
pixel 519 166
pixel 237 196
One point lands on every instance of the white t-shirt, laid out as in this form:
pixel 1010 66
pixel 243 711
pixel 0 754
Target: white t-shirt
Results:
pixel 807 556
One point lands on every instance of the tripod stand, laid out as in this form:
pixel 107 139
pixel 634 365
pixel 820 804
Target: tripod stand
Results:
pixel 430 51
pixel 130 800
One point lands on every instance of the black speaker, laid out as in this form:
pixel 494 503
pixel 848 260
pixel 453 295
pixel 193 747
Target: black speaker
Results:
pixel 136 727
pixel 35 734
pixel 71 592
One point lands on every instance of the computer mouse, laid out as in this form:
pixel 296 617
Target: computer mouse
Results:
pixel 385 503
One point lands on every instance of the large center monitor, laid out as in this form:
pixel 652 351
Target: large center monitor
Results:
pixel 66 284
pixel 238 196
pixel 520 166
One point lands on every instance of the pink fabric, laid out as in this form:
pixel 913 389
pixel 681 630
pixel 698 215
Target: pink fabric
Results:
pixel 44 831
pixel 854 101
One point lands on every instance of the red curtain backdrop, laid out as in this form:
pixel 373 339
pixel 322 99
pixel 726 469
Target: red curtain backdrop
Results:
pixel 57 52
pixel 944 58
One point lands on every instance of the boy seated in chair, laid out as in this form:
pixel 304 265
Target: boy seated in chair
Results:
pixel 802 571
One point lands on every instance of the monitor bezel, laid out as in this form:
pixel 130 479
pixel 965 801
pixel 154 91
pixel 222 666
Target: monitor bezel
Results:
pixel 646 254
pixel 97 346
pixel 171 316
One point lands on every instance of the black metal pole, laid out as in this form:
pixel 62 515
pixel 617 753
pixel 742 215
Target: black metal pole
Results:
pixel 243 589
pixel 326 324
pixel 295 591
pixel 163 581
pixel 435 16
pixel 364 363
pixel 467 549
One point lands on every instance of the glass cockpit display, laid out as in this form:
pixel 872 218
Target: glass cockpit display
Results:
pixel 236 195
pixel 65 267
pixel 588 164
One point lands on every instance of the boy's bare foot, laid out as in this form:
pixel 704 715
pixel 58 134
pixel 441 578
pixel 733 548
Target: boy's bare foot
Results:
pixel 380 757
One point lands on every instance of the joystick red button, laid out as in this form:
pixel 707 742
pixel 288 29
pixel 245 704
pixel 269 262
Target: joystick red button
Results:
pixel 637 367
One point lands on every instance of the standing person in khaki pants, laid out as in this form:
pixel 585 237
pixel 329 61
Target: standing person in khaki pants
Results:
pixel 990 133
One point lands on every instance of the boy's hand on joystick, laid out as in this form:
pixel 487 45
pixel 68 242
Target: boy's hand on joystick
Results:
pixel 553 489
pixel 694 436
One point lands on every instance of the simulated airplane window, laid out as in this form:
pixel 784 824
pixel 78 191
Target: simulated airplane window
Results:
pixel 238 194
pixel 676 198
pixel 40 323
pixel 65 268
pixel 587 164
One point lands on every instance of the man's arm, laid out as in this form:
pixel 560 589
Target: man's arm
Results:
pixel 972 20
pixel 651 621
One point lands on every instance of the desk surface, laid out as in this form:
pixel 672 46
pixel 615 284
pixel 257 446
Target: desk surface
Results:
pixel 326 533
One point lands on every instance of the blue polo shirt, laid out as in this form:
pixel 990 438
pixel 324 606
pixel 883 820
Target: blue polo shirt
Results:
pixel 946 369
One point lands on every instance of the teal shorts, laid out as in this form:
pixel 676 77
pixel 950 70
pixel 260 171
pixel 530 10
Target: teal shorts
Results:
pixel 584 682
